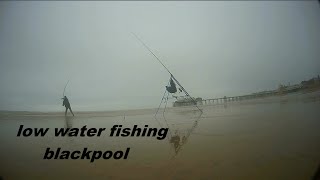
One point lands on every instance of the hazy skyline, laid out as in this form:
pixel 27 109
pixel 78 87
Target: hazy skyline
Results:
pixel 213 48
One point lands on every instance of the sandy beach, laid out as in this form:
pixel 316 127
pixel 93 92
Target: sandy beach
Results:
pixel 269 138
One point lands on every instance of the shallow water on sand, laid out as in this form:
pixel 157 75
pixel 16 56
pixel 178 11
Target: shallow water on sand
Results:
pixel 272 138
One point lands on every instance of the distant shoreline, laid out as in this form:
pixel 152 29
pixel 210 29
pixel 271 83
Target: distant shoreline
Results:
pixel 287 98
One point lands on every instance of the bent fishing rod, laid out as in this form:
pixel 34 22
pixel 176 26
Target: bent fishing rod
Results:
pixel 64 90
pixel 183 89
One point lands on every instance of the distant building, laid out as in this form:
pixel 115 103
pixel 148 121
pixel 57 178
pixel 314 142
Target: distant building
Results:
pixel 311 83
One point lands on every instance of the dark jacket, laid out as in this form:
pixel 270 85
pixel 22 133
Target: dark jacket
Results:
pixel 66 102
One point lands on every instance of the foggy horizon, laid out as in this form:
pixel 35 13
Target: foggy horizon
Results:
pixel 214 49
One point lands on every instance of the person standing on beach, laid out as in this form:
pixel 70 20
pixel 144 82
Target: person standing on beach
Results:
pixel 66 103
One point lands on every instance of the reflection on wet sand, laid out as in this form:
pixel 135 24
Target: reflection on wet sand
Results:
pixel 175 139
pixel 179 138
pixel 68 121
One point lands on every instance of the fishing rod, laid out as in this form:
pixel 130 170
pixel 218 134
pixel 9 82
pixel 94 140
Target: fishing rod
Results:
pixel 152 53
pixel 183 89
pixel 65 89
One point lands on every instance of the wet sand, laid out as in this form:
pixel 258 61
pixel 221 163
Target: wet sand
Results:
pixel 270 138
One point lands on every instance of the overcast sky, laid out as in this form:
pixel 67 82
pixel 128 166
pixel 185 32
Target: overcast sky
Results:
pixel 214 49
